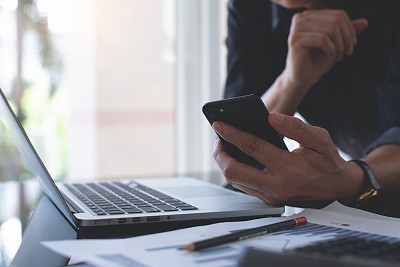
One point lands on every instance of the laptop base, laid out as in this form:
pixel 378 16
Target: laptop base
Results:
pixel 47 223
pixel 132 230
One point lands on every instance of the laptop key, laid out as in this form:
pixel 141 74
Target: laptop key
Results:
pixel 118 198
pixel 115 212
pixel 149 209
pixel 188 208
pixel 133 210
pixel 166 207
pixel 156 202
pixel 125 206
pixel 111 209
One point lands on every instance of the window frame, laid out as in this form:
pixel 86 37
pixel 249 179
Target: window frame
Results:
pixel 197 80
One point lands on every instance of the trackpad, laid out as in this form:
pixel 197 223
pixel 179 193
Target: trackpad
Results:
pixel 198 191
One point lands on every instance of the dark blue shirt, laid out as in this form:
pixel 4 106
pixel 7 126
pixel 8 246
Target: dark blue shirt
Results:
pixel 357 101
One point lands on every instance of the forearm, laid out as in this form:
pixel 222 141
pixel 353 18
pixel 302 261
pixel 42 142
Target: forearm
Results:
pixel 385 160
pixel 283 96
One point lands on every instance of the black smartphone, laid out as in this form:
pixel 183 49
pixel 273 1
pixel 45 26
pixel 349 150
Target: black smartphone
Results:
pixel 247 113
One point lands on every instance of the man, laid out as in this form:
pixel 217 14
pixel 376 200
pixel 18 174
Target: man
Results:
pixel 338 64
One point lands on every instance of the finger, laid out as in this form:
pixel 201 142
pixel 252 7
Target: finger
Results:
pixel 360 25
pixel 350 29
pixel 347 31
pixel 314 40
pixel 306 135
pixel 331 16
pixel 335 23
pixel 264 196
pixel 311 31
pixel 250 144
pixel 239 173
pixel 270 197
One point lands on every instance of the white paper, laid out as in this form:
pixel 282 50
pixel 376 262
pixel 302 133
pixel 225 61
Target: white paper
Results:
pixel 340 208
pixel 162 249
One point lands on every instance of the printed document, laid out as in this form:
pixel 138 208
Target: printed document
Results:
pixel 162 249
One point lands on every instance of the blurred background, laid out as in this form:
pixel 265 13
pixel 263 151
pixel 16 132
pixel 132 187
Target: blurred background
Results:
pixel 106 89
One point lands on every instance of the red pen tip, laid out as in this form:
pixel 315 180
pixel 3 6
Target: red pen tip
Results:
pixel 301 220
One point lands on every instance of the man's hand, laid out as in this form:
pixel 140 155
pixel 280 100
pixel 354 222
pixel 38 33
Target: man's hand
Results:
pixel 314 171
pixel 318 39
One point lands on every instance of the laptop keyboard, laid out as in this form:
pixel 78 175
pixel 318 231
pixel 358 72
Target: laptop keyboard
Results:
pixel 381 249
pixel 120 198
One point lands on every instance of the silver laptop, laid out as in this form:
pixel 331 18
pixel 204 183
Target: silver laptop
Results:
pixel 144 204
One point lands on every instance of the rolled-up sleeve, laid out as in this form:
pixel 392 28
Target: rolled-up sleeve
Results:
pixel 390 137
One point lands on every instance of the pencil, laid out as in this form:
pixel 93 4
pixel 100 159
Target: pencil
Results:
pixel 245 234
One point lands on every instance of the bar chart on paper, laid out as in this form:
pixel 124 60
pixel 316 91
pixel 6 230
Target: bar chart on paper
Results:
pixel 228 255
pixel 163 249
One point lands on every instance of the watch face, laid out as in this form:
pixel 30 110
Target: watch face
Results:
pixel 364 197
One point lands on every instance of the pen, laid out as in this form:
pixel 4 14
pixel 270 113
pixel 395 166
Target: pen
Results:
pixel 245 234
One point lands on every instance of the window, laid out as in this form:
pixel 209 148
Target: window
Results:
pixel 200 76
pixel 121 62
pixel 107 89
pixel 115 88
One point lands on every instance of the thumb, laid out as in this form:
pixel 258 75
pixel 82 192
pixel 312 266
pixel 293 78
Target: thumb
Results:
pixel 295 129
pixel 360 25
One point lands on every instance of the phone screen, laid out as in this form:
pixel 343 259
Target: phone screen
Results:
pixel 247 113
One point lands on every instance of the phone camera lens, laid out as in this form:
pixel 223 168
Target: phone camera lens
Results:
pixel 210 112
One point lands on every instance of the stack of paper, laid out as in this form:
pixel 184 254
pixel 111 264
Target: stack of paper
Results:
pixel 162 249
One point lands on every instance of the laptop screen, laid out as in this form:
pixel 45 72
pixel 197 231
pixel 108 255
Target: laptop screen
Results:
pixel 10 122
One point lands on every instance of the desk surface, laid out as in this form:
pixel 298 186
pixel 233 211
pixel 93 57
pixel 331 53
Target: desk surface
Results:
pixel 18 201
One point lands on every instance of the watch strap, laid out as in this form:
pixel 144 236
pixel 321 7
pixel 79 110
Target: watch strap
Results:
pixel 371 185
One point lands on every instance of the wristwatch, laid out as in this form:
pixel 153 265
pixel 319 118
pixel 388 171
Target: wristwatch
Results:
pixel 370 187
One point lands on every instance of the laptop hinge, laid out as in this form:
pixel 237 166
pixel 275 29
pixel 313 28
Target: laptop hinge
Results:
pixel 72 207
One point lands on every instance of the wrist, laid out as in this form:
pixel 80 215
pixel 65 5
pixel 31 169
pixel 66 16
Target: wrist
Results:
pixel 368 187
pixel 300 82
pixel 354 181
pixel 296 87
pixel 284 95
